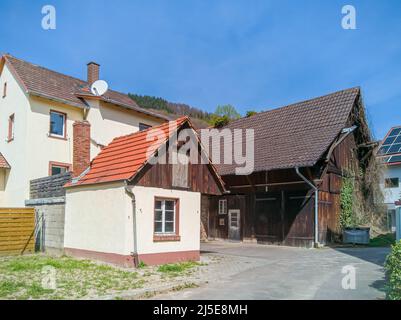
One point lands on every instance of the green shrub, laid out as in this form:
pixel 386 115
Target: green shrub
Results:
pixel 347 215
pixel 393 272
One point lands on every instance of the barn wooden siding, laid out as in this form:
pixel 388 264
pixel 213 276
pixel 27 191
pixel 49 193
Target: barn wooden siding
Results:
pixel 200 178
pixel 17 227
pixel 283 214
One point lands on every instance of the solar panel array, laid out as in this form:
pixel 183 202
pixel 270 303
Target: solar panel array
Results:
pixel 391 147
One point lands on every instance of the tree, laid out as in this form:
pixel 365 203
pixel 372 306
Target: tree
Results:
pixel 227 110
pixel 223 115
pixel 250 113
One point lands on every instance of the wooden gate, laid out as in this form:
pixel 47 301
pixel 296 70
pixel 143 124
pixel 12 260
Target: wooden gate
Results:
pixel 17 227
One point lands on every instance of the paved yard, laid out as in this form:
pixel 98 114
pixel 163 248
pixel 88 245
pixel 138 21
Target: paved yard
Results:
pixel 250 271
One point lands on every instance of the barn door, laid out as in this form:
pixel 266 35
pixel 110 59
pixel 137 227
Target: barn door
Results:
pixel 234 221
pixel 268 218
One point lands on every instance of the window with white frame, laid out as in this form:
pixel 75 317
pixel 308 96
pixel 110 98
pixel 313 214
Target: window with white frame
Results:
pixel 165 211
pixel 57 124
pixel 223 206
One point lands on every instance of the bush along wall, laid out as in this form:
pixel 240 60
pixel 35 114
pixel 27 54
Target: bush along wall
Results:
pixel 393 272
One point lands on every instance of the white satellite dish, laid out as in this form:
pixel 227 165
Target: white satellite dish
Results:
pixel 99 87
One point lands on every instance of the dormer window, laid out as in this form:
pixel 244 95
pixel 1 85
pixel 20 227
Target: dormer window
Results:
pixel 57 124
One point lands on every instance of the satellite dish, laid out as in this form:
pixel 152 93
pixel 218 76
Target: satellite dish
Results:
pixel 99 87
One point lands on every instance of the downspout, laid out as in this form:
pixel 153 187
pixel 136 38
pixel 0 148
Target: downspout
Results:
pixel 134 253
pixel 316 204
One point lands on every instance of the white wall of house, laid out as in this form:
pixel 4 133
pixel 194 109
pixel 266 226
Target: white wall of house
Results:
pixel 99 218
pixel 32 149
pixel 109 121
pixel 16 152
pixel 391 194
pixel 189 220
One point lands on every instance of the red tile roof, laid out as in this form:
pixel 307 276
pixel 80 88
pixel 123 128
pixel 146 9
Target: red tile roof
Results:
pixel 126 155
pixel 49 84
pixel 3 162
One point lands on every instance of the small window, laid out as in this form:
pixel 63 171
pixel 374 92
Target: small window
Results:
pixel 143 126
pixel 58 168
pixel 165 211
pixel 57 124
pixel 391 183
pixel 11 122
pixel 5 90
pixel 223 206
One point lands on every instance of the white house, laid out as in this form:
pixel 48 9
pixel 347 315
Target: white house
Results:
pixel 125 209
pixel 38 110
pixel 390 154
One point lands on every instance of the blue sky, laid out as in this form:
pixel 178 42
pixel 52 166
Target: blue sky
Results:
pixel 256 55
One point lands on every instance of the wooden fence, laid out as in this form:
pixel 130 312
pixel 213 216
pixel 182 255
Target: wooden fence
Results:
pixel 17 226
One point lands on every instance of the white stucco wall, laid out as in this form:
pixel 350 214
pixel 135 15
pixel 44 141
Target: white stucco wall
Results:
pixel 100 218
pixel 109 121
pixel 391 194
pixel 15 151
pixel 189 219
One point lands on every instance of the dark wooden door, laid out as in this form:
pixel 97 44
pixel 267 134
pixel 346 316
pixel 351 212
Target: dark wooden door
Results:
pixel 268 218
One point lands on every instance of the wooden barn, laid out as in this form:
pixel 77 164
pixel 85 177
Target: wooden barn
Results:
pixel 302 152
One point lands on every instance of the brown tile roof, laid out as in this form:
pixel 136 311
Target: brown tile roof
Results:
pixel 297 134
pixel 53 85
pixel 3 162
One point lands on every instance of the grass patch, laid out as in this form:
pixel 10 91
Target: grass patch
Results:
pixel 21 278
pixel 383 240
pixel 177 268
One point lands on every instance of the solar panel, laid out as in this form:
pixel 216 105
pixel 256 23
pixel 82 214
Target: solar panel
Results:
pixel 391 145
pixel 395 132
pixel 391 159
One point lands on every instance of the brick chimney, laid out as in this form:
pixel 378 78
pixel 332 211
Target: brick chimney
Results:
pixel 93 72
pixel 81 147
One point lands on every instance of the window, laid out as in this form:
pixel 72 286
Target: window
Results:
pixel 58 168
pixel 165 219
pixel 223 206
pixel 57 124
pixel 391 183
pixel 11 121
pixel 143 126
pixel 5 90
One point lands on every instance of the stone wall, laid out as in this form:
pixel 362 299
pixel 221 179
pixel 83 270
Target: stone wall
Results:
pixel 50 214
pixel 49 187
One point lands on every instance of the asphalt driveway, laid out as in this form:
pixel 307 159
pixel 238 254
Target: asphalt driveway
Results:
pixel 274 272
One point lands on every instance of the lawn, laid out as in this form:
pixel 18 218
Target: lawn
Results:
pixel 22 277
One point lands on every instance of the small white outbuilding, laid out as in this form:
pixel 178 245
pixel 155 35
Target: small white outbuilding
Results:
pixel 125 210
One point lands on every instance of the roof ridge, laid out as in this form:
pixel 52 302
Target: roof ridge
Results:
pixel 44 68
pixel 294 104
pixel 151 128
